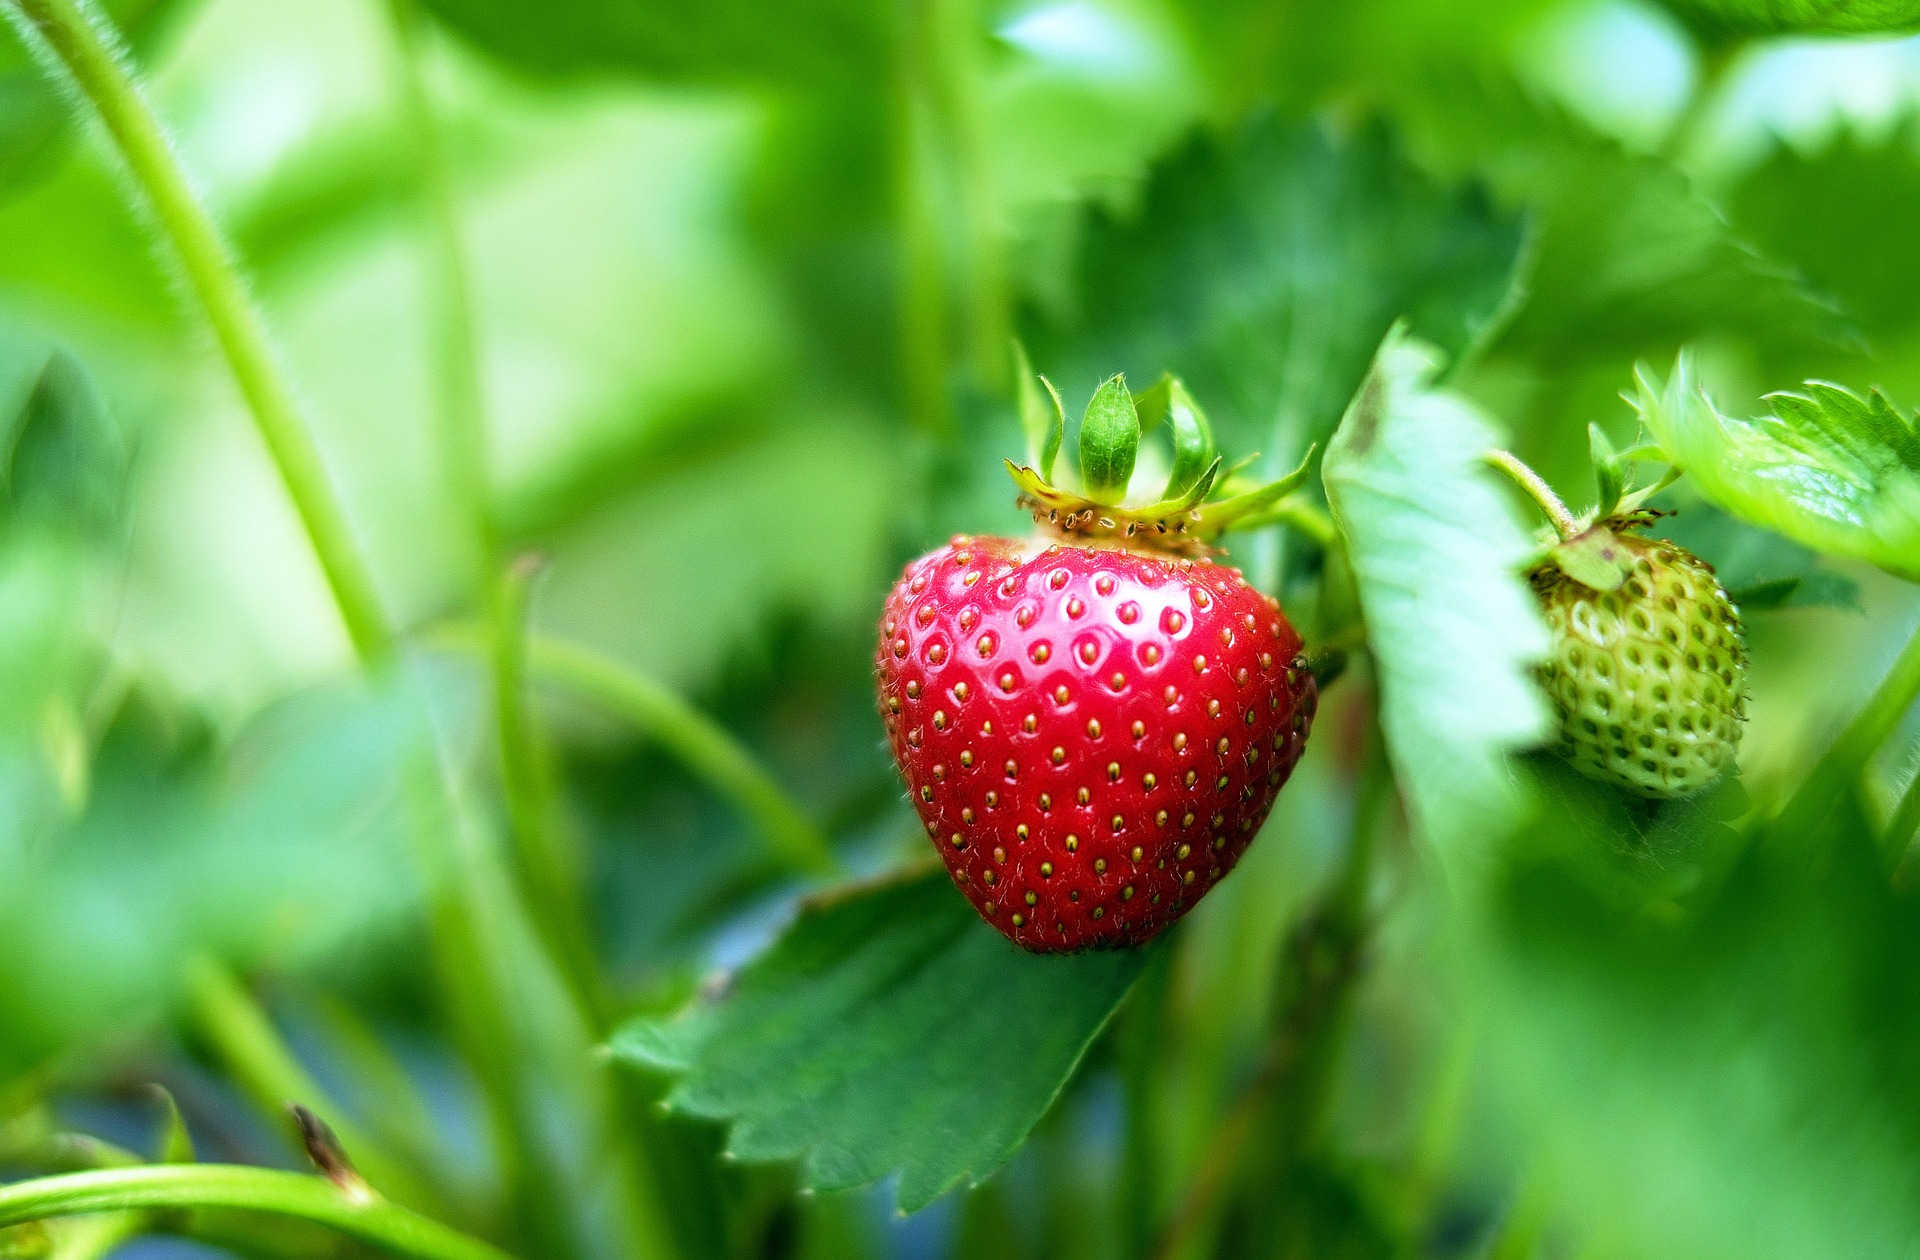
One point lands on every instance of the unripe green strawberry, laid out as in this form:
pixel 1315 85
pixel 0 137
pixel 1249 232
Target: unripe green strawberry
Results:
pixel 1649 679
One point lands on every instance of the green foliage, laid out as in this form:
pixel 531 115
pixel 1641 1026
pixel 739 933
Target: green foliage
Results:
pixel 1827 468
pixel 1731 1081
pixel 1855 189
pixel 279 849
pixel 1802 16
pixel 888 1030
pixel 33 118
pixel 727 40
pixel 1263 266
pixel 741 281
pixel 1435 550
pixel 1193 449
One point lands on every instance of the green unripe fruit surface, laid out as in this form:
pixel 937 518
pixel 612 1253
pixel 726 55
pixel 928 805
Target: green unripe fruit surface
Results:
pixel 1649 680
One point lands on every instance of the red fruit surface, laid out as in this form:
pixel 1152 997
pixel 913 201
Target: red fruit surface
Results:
pixel 1092 736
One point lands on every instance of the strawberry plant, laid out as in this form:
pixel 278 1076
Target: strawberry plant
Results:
pixel 854 630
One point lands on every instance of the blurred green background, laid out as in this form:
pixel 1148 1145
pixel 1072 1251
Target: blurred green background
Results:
pixel 742 280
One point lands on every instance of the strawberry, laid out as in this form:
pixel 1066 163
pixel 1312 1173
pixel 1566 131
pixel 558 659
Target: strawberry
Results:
pixel 1092 724
pixel 1647 672
pixel 1648 679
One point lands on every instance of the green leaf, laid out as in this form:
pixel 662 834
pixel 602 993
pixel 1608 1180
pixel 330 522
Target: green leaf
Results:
pixel 280 849
pixel 1435 546
pixel 1801 16
pixel 887 1030
pixel 1651 264
pixel 1263 267
pixel 1722 1081
pixel 1109 441
pixel 1829 469
pixel 1041 415
pixel 728 41
pixel 1839 216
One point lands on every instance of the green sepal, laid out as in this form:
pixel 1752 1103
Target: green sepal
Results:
pixel 1609 472
pixel 1109 441
pixel 1042 416
pixel 1193 449
pixel 1231 482
pixel 1634 502
pixel 1185 525
pixel 1594 558
pixel 1227 513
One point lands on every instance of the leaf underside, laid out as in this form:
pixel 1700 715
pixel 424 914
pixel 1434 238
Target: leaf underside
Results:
pixel 1436 551
pixel 887 1031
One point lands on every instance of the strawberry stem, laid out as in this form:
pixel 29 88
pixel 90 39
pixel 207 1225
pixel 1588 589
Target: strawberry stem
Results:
pixel 1564 523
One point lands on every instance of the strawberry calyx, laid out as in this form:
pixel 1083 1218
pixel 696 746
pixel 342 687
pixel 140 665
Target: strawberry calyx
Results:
pixel 1588 548
pixel 1202 499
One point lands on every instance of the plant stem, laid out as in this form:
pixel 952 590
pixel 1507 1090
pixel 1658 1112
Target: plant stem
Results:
pixel 1320 962
pixel 1843 762
pixel 82 41
pixel 1539 491
pixel 460 407
pixel 923 331
pixel 185 1187
pixel 695 740
pixel 254 1055
pixel 1142 1042
pixel 548 870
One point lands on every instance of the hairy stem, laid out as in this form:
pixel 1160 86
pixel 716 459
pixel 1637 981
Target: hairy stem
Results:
pixel 1539 491
pixel 187 1187
pixel 1841 765
pixel 83 44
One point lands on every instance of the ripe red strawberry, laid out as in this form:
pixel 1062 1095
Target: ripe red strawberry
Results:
pixel 1091 734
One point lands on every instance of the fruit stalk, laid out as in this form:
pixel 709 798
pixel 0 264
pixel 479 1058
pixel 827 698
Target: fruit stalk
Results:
pixel 82 45
pixel 1564 522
